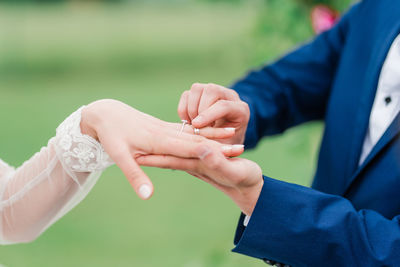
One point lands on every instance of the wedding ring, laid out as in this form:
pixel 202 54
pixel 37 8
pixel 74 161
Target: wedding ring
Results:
pixel 196 131
pixel 184 122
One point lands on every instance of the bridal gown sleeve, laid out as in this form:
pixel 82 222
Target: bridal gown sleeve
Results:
pixel 51 183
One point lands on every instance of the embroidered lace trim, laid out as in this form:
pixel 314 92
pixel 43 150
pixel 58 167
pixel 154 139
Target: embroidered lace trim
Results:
pixel 79 152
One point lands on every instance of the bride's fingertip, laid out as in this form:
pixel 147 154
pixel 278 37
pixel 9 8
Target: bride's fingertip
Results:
pixel 230 129
pixel 145 191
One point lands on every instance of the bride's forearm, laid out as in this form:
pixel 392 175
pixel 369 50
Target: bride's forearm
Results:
pixel 50 184
pixel 34 195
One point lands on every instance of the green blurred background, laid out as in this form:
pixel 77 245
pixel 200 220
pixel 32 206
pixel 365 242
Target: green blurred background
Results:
pixel 57 57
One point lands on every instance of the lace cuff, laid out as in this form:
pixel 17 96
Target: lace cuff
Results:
pixel 76 151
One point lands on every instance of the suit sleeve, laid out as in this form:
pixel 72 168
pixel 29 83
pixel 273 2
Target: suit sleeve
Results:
pixel 295 88
pixel 300 226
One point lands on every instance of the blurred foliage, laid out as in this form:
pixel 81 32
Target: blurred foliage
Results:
pixel 281 25
pixel 223 1
pixel 337 4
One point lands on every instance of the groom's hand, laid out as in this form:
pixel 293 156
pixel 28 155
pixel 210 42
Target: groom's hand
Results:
pixel 214 105
pixel 238 178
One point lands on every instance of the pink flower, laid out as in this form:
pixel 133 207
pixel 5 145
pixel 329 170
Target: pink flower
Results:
pixel 323 18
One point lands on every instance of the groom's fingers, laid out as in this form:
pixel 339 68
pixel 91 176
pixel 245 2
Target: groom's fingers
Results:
pixel 232 150
pixel 219 110
pixel 195 94
pixel 191 166
pixel 135 175
pixel 186 146
pixel 182 106
pixel 214 92
pixel 212 132
pixel 208 159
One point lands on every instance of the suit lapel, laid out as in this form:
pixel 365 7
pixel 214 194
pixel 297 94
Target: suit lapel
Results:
pixel 392 132
pixel 365 106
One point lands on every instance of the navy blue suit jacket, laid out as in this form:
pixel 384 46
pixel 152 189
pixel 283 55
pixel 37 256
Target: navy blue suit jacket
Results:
pixel 351 215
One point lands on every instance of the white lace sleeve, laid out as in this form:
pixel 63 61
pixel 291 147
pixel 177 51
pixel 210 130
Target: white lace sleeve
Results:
pixel 49 184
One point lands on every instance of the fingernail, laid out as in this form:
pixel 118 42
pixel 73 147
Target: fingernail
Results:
pixel 198 119
pixel 203 152
pixel 237 147
pixel 230 129
pixel 145 191
pixel 226 148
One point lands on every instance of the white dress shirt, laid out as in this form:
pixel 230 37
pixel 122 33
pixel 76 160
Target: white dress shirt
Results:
pixel 387 100
pixel 386 104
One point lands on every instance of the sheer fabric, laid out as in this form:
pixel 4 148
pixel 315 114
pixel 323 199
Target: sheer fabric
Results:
pixel 50 184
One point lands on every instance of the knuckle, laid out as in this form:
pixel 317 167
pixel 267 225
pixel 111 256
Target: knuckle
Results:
pixel 192 111
pixel 212 87
pixel 196 87
pixel 233 93
pixel 222 91
pixel 245 108
pixel 214 163
pixel 207 91
pixel 184 93
pixel 224 103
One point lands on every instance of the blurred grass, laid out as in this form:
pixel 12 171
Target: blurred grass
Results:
pixel 55 58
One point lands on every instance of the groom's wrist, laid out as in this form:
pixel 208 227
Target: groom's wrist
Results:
pixel 250 197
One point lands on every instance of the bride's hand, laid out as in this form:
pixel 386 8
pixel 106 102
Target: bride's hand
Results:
pixel 126 133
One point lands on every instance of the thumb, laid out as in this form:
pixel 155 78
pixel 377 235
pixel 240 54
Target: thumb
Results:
pixel 225 173
pixel 135 175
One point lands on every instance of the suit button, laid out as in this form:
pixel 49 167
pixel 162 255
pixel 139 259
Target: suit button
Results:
pixel 270 262
pixel 278 264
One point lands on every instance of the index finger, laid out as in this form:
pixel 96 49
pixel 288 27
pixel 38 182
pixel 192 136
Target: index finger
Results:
pixel 182 106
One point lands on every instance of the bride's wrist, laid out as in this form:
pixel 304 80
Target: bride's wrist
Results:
pixel 88 121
